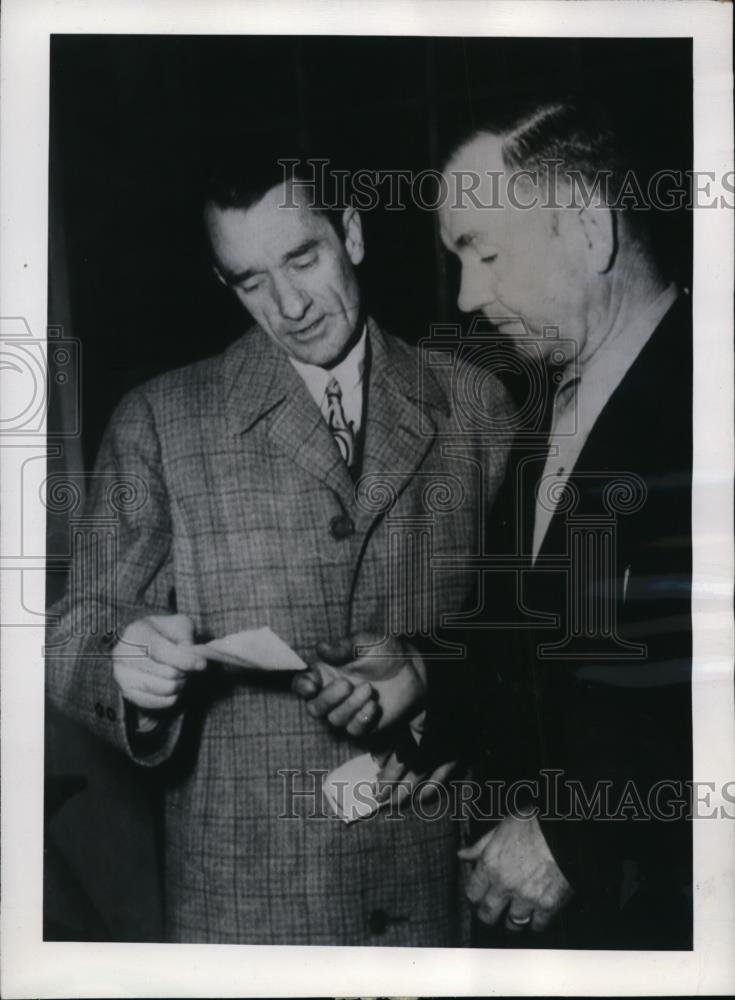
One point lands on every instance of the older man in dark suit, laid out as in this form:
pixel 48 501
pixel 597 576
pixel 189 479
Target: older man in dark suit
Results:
pixel 280 483
pixel 585 699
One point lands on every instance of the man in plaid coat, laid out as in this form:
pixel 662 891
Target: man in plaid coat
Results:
pixel 265 496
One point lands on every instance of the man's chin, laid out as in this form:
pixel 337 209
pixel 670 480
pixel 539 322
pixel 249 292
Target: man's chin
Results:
pixel 325 347
pixel 322 353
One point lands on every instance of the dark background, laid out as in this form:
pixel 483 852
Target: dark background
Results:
pixel 132 122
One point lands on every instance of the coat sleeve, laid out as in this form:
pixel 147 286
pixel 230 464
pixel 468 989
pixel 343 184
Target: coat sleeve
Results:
pixel 121 570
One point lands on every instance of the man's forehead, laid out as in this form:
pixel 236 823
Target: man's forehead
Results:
pixel 461 228
pixel 276 219
pixel 484 151
pixel 296 197
pixel 285 206
pixel 475 169
pixel 475 206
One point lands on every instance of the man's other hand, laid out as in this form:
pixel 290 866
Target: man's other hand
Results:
pixel 515 876
pixel 362 690
pixel 155 680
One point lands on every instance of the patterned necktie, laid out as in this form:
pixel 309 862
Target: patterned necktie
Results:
pixel 342 430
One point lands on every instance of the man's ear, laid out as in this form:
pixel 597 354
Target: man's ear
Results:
pixel 352 226
pixel 598 231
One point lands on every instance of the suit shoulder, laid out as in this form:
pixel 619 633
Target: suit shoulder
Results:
pixel 188 378
pixel 190 395
pixel 186 387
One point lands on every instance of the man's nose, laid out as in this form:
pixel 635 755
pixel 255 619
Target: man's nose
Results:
pixel 475 289
pixel 292 301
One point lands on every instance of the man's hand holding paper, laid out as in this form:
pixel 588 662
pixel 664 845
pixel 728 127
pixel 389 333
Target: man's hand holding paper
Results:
pixel 363 683
pixel 153 679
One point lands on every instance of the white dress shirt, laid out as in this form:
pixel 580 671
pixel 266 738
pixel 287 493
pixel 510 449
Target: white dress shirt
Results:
pixel 582 395
pixel 348 372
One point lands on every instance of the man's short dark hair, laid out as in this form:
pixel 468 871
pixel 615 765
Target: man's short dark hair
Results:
pixel 578 136
pixel 240 176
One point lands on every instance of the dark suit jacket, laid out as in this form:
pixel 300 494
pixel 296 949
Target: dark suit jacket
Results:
pixel 610 710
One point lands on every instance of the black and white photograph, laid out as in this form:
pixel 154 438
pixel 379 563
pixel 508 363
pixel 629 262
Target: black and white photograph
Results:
pixel 370 537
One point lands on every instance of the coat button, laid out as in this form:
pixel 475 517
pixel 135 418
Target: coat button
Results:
pixel 99 709
pixel 341 527
pixel 111 714
pixel 378 922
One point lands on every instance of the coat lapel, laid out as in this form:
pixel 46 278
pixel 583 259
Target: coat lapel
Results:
pixel 261 383
pixel 400 428
pixel 301 433
pixel 626 436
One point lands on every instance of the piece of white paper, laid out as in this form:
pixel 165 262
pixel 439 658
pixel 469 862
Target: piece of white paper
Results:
pixel 255 649
pixel 350 788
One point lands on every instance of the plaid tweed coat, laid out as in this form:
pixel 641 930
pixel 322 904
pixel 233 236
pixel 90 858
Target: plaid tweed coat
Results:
pixel 249 517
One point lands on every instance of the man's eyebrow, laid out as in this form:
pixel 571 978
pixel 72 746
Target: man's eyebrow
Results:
pixel 301 249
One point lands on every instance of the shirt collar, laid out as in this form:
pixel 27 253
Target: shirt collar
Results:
pixel 348 372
